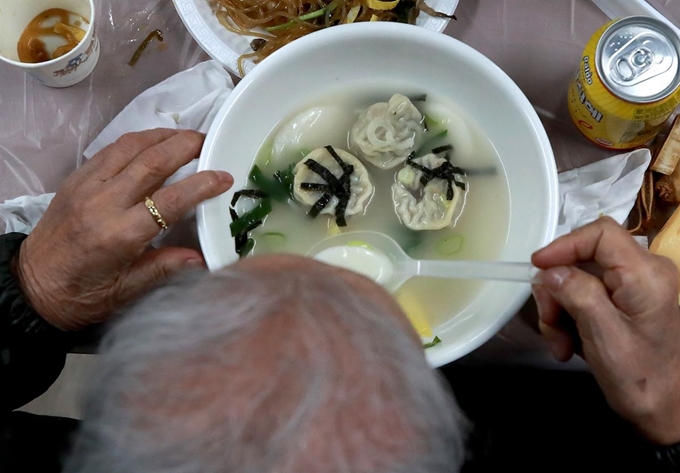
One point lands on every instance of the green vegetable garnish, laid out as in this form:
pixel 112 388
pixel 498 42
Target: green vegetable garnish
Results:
pixel 307 16
pixel 247 247
pixel 450 245
pixel 359 243
pixel 429 144
pixel 431 124
pixel 246 220
pixel 273 240
pixel 435 341
pixel 286 178
pixel 412 241
pixel 280 187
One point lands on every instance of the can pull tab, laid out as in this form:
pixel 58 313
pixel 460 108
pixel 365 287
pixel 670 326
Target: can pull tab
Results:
pixel 640 58
pixel 639 61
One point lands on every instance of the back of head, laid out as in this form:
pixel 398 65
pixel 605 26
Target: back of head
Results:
pixel 287 370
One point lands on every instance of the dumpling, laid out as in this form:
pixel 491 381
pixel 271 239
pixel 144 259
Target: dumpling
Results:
pixel 308 130
pixel 332 181
pixel 386 132
pixel 439 199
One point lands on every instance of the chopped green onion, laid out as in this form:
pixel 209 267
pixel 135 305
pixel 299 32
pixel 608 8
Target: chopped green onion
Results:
pixel 274 188
pixel 406 176
pixel 241 224
pixel 359 243
pixel 307 16
pixel 412 240
pixel 273 240
pixel 435 341
pixel 431 124
pixel 286 179
pixel 450 245
pixel 247 248
pixel 429 144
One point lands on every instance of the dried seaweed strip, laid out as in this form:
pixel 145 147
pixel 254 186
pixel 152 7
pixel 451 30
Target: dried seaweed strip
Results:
pixel 441 149
pixel 339 187
pixel 251 193
pixel 314 186
pixel 320 204
pixel 340 213
pixel 346 167
pixel 324 173
pixel 445 171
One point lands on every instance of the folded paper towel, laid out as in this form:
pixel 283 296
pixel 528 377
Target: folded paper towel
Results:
pixel 191 99
pixel 607 187
pixel 22 214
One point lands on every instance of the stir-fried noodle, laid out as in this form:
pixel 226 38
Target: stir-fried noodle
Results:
pixel 278 22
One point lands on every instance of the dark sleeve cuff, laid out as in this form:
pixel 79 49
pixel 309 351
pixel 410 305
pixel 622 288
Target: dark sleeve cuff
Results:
pixel 660 458
pixel 17 319
pixel 32 352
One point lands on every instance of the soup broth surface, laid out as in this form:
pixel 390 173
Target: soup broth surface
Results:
pixel 481 225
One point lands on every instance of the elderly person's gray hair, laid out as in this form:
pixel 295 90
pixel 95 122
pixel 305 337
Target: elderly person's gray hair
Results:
pixel 252 372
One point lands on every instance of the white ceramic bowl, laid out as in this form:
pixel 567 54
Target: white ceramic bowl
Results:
pixel 435 63
pixel 226 47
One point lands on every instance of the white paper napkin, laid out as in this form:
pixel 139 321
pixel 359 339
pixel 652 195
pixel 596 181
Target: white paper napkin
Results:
pixel 607 187
pixel 22 214
pixel 189 100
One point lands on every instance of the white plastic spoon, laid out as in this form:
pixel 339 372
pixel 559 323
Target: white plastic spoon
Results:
pixel 378 257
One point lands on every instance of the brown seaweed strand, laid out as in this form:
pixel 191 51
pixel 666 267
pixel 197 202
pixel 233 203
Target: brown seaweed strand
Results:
pixel 138 53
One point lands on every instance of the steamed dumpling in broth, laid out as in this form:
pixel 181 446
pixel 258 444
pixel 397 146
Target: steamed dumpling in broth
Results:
pixel 309 130
pixel 387 132
pixel 432 206
pixel 474 223
pixel 310 186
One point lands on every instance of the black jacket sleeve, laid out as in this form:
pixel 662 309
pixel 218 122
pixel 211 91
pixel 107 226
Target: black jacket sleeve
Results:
pixel 32 352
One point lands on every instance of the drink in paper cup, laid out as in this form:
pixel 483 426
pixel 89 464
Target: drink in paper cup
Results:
pixel 53 40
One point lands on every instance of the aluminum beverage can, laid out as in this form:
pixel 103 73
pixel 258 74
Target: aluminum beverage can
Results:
pixel 628 82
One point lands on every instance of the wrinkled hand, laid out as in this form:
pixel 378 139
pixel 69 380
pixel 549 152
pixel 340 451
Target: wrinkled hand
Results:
pixel 625 325
pixel 90 253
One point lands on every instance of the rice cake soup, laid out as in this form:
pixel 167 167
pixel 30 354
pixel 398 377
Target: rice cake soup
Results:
pixel 410 165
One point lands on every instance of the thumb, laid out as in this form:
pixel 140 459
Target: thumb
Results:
pixel 157 266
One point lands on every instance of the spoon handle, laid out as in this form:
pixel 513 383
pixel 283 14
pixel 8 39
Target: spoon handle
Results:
pixel 491 270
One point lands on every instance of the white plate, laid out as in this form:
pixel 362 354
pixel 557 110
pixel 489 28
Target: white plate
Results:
pixel 439 65
pixel 226 47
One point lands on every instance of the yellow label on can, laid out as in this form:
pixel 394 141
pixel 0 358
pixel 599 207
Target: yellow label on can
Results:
pixel 607 119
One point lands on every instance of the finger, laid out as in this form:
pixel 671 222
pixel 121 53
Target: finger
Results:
pixel 154 268
pixel 115 157
pixel 557 326
pixel 548 308
pixel 146 173
pixel 603 241
pixel 561 342
pixel 177 199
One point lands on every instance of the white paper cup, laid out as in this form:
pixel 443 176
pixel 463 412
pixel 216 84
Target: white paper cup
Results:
pixel 63 71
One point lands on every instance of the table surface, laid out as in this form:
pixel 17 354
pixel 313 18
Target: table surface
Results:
pixel 538 43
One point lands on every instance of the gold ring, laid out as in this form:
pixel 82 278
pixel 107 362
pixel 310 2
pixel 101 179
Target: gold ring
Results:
pixel 155 213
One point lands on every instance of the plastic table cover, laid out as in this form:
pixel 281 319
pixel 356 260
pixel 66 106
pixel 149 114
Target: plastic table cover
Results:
pixel 538 43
